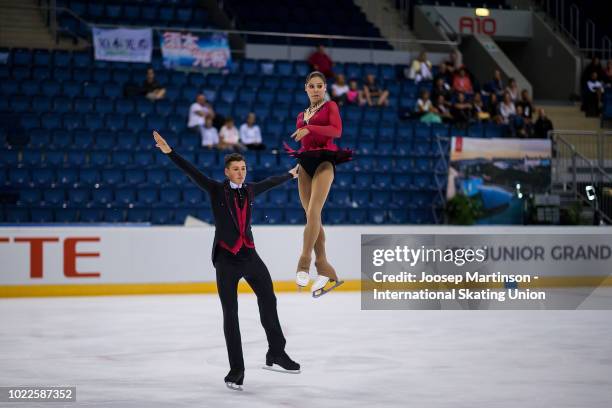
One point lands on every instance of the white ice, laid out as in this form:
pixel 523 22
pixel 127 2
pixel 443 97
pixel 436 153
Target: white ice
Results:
pixel 169 351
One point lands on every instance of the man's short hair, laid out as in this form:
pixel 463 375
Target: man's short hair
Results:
pixel 229 158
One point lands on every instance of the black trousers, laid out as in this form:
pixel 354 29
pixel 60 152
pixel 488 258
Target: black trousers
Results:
pixel 230 269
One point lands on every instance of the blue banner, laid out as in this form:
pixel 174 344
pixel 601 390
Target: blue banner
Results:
pixel 201 51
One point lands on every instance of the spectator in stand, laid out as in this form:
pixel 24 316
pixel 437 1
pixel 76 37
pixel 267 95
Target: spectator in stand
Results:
pixel 199 111
pixel 151 89
pixel 512 89
pixel 354 96
pixel 462 82
pixel 542 125
pixel 320 61
pixel 445 75
pixel 210 135
pixel 440 89
pixel 493 109
pixel 507 109
pixel 339 90
pixel 423 104
pixel 373 93
pixel 454 62
pixel 594 66
pixel 443 110
pixel 250 134
pixel 462 111
pixel 593 101
pixel 526 106
pixel 420 69
pixel 229 137
pixel 496 85
pixel 480 111
pixel 607 78
pixel 518 126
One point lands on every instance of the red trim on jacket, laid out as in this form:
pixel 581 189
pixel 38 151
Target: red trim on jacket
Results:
pixel 242 221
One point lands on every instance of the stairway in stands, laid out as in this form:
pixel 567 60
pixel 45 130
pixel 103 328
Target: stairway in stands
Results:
pixel 22 25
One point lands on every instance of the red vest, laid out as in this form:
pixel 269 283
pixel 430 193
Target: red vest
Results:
pixel 242 239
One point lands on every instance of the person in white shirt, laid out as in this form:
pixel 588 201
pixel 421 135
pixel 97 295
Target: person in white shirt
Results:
pixel 209 134
pixel 199 111
pixel 420 69
pixel 507 109
pixel 250 134
pixel 229 139
pixel 340 90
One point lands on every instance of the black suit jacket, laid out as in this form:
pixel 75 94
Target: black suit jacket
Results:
pixel 222 200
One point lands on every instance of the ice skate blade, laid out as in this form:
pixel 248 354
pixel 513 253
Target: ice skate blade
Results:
pixel 279 369
pixel 233 386
pixel 320 292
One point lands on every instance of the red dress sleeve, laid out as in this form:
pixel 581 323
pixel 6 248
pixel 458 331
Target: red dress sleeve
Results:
pixel 334 128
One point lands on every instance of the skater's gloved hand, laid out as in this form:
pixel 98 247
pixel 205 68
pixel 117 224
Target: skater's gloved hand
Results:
pixel 161 143
pixel 300 133
pixel 294 171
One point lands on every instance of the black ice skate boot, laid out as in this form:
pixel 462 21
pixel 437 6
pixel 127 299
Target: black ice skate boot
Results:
pixel 233 380
pixel 281 362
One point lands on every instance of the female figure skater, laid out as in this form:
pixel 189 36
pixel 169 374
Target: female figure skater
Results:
pixel 317 127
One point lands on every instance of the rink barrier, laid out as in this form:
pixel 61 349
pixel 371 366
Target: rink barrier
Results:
pixel 120 289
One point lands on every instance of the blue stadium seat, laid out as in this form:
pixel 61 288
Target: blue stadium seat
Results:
pixel 78 196
pixel 41 215
pixel 67 177
pixel 138 215
pixel 98 158
pixel 83 105
pixel 147 196
pixel 31 158
pixel 357 216
pixel 53 196
pixel 170 196
pixel 43 176
pixel 125 196
pixel 111 176
pixel 126 142
pixel 402 181
pixel 124 106
pixel 143 159
pixel 72 121
pixel 83 140
pixel 39 138
pixel 29 196
pixel 114 122
pixel 334 216
pixel 134 176
pixel 17 215
pixel 272 216
pixel 193 196
pixel 398 216
pixel 54 158
pixel 377 216
pixel 361 197
pixel 61 138
pixel 161 216
pixel 101 196
pixel 30 88
pixel 76 159
pixel 9 158
pixel 90 215
pixel 343 180
pixel 155 176
pixel 65 215
pixel 89 176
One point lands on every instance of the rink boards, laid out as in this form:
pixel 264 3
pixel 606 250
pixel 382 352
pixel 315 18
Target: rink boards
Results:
pixel 117 260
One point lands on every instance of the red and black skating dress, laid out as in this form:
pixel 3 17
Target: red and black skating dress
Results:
pixel 318 145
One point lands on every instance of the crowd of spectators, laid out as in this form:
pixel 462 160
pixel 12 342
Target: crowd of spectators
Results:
pixel 594 81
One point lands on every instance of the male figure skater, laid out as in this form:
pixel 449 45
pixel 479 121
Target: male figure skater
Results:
pixel 234 257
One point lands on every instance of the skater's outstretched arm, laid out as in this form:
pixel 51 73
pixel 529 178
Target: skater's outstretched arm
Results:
pixel 203 181
pixel 274 181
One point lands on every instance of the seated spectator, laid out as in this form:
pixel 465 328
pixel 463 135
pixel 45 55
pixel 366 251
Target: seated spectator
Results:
pixel 354 96
pixel 373 93
pixel 518 126
pixel 507 109
pixel 593 101
pixel 526 106
pixel 454 62
pixel 250 134
pixel 607 78
pixel 445 75
pixel 443 110
pixel 229 138
pixel 440 89
pixel 493 109
pixel 462 82
pixel 420 69
pixel 496 85
pixel 339 90
pixel 151 89
pixel 423 104
pixel 209 135
pixel 542 125
pixel 461 111
pixel 320 61
pixel 199 111
pixel 513 90
pixel 480 111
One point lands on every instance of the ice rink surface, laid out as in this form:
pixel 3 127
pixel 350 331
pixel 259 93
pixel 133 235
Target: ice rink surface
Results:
pixel 169 351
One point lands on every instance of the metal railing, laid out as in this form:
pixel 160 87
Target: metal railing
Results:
pixel 572 172
pixel 439 202
pixel 52 13
pixel 581 36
